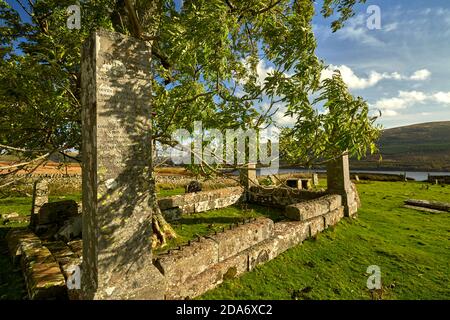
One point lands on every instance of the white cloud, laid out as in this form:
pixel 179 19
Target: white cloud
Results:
pixel 389 113
pixel 421 75
pixel 390 27
pixel 442 97
pixel 263 71
pixel 412 96
pixel 374 77
pixel 405 99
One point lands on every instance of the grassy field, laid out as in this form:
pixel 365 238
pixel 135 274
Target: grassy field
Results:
pixel 410 247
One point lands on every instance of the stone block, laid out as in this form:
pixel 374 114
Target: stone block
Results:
pixel 290 234
pixel 316 225
pixel 178 265
pixel 263 252
pixel 56 212
pixel 333 217
pixel 71 229
pixel 242 237
pixel 45 281
pixel 210 278
pixel 20 239
pixel 334 201
pixel 76 246
pixel 307 209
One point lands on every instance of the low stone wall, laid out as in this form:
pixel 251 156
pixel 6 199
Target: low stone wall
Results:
pixel 201 266
pixel 280 197
pixel 175 207
pixel 439 179
pixel 310 209
pixel 43 277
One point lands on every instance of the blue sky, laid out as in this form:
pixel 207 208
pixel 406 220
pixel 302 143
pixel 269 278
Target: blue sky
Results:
pixel 403 68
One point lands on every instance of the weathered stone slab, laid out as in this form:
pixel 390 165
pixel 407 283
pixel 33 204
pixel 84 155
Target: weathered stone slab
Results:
pixel 56 212
pixel 45 281
pixel 39 198
pixel 281 197
pixel 242 237
pixel 263 252
pixel 333 217
pixel 435 205
pixel 290 234
pixel 19 239
pixel 179 265
pixel 71 229
pixel 309 209
pixel 334 201
pixel 316 225
pixel 176 206
pixel 210 278
pixel 43 277
pixel 116 77
pixel 76 246
pixel 315 179
pixel 248 176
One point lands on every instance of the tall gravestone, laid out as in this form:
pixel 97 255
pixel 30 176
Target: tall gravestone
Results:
pixel 116 124
pixel 39 198
pixel 338 180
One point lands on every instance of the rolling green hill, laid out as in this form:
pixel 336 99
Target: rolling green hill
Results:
pixel 424 146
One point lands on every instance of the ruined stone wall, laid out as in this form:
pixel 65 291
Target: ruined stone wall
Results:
pixel 279 196
pixel 203 263
pixel 176 206
pixel 194 269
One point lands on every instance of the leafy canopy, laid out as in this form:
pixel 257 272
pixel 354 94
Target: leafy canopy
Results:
pixel 205 60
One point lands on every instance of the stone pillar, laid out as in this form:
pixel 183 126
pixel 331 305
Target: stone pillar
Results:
pixel 315 179
pixel 116 149
pixel 39 198
pixel 338 179
pixel 248 176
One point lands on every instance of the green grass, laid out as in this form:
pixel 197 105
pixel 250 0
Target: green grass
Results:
pixel 201 224
pixel 170 192
pixel 410 247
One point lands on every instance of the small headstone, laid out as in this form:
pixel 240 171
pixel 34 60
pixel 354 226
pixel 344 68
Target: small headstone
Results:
pixel 338 180
pixel 39 198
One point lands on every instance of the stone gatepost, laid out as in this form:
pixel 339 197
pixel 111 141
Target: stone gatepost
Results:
pixel 338 179
pixel 315 179
pixel 248 176
pixel 117 214
pixel 39 198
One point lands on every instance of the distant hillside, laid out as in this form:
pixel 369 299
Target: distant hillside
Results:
pixel 424 147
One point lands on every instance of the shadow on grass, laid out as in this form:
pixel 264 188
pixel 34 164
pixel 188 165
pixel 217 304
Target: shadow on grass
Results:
pixel 12 285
